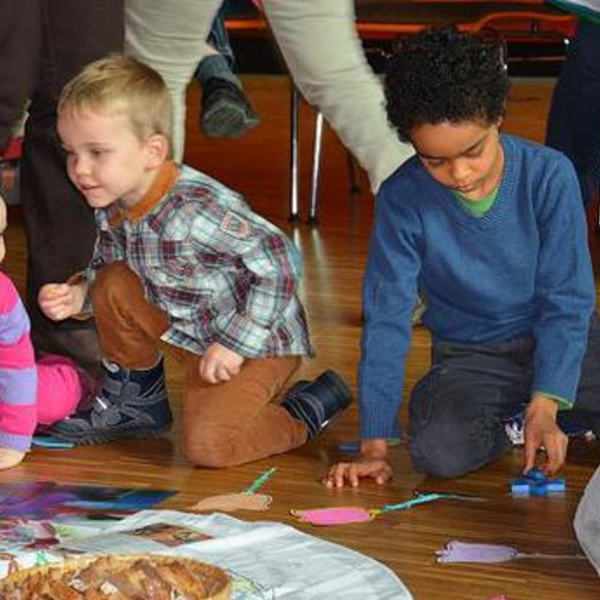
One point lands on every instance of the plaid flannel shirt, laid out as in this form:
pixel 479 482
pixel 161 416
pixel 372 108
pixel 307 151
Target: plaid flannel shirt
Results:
pixel 221 272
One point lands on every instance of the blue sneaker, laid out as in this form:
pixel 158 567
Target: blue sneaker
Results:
pixel 514 424
pixel 131 404
pixel 317 403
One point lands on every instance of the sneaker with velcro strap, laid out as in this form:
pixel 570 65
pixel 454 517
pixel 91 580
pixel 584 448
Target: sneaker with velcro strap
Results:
pixel 131 404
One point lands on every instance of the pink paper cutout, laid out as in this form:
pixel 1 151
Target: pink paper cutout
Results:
pixel 335 515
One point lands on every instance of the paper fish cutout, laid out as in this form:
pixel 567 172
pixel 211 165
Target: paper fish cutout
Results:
pixel 456 551
pixel 246 500
pixel 467 552
pixel 233 502
pixel 341 515
pixel 336 515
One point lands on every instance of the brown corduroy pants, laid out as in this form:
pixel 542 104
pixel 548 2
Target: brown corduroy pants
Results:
pixel 226 424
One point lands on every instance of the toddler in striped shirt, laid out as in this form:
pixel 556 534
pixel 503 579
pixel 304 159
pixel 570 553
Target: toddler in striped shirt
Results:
pixel 31 392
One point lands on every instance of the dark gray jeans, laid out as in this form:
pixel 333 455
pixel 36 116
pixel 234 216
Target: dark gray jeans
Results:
pixel 457 409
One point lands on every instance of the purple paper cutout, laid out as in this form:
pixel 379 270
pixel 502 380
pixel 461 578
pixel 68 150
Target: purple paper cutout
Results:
pixel 456 551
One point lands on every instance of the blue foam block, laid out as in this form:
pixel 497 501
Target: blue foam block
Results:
pixel 534 485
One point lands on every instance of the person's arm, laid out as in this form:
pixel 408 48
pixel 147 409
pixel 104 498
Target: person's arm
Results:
pixel 18 378
pixel 389 294
pixel 541 430
pixel 260 265
pixel 565 297
pixel 372 463
pixel 59 301
pixel 108 247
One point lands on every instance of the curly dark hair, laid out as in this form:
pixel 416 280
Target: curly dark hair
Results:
pixel 444 75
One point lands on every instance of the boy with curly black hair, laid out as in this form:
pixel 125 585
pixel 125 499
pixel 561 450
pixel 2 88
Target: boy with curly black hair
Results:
pixel 490 229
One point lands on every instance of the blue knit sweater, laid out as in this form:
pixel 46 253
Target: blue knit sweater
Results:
pixel 522 269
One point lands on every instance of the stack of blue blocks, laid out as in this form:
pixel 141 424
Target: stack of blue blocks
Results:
pixel 535 483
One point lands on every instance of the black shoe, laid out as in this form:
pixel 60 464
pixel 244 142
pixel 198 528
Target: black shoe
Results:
pixel 318 402
pixel 131 404
pixel 226 113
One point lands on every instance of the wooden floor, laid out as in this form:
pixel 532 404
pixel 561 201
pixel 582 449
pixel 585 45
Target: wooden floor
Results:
pixel 334 254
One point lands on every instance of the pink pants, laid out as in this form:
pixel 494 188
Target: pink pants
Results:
pixel 60 387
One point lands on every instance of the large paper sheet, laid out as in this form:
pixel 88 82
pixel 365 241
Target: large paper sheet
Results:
pixel 267 560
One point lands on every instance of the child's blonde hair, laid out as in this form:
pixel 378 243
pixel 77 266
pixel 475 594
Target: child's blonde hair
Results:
pixel 125 85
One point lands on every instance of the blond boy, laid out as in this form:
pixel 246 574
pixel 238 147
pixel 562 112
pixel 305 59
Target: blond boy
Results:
pixel 180 259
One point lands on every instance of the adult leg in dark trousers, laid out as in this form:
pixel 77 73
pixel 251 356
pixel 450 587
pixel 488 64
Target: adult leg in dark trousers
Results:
pixel 62 36
pixel 18 60
pixel 574 120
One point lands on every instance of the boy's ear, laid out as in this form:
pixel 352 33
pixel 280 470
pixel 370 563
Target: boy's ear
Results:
pixel 157 148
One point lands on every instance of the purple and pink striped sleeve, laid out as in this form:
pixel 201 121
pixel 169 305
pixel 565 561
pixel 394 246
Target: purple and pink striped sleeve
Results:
pixel 18 372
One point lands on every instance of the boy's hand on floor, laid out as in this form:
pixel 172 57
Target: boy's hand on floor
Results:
pixel 372 464
pixel 341 474
pixel 59 301
pixel 541 430
pixel 219 364
pixel 10 457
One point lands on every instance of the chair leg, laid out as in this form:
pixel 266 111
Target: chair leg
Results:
pixel 294 176
pixel 316 169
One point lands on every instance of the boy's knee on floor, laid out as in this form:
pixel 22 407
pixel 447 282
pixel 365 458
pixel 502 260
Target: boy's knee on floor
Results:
pixel 209 451
pixel 429 454
pixel 442 469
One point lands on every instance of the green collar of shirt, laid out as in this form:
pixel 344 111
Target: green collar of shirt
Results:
pixel 477 208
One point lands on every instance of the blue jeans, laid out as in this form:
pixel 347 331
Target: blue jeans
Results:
pixel 220 65
pixel 218 37
pixel 457 409
pixel 574 120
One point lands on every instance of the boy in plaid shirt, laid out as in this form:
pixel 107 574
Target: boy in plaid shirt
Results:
pixel 182 259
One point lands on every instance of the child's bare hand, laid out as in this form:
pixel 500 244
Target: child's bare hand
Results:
pixel 10 458
pixel 219 363
pixel 59 301
pixel 351 473
pixel 541 430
